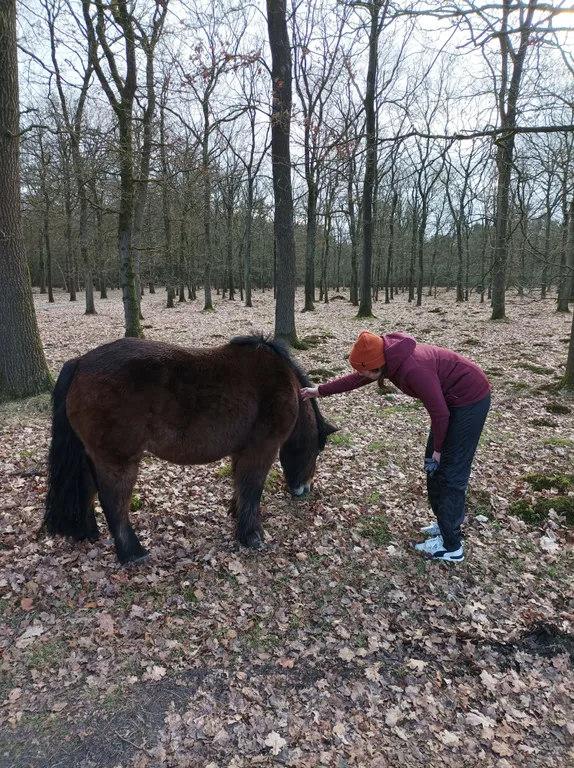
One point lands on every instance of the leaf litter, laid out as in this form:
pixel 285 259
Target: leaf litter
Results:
pixel 336 645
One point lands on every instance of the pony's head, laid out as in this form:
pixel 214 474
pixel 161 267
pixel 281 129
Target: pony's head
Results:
pixel 299 453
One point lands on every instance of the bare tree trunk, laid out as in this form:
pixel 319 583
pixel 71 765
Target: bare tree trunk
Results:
pixel 391 247
pixel 566 260
pixel 310 245
pixel 23 368
pixel 420 249
pixel 248 242
pixel 281 75
pixel 366 306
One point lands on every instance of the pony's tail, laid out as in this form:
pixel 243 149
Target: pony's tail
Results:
pixel 71 486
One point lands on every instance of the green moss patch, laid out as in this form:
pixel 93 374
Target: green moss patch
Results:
pixel 320 374
pixel 472 342
pixel 536 513
pixel 225 470
pixel 543 422
pixel 539 369
pixel 376 529
pixel 478 501
pixel 557 408
pixel 273 480
pixel 316 338
pixel 339 439
pixel 541 482
pixel 562 442
pixel 135 502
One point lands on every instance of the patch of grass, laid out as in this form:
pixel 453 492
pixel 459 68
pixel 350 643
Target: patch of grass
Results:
pixel 316 338
pixel 374 497
pixel 376 529
pixel 32 406
pixel 437 311
pixel 479 501
pixel 46 655
pixel 525 511
pixel 340 439
pixel 562 442
pixel 539 369
pixel 272 480
pixel 557 408
pixel 534 514
pixel 472 342
pixel 135 502
pixel 188 594
pixel 225 470
pixel 494 371
pixel 376 445
pixel 562 505
pixel 519 385
pixel 552 386
pixel 392 409
pixel 540 482
pixel 320 374
pixel 543 422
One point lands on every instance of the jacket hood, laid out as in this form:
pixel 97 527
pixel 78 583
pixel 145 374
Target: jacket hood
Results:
pixel 398 346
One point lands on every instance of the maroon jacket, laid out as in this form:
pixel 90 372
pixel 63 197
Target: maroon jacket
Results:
pixel 439 378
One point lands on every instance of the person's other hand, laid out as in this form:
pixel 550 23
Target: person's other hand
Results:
pixel 308 392
pixel 436 456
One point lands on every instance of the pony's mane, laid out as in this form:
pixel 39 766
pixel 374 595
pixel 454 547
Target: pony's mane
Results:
pixel 280 348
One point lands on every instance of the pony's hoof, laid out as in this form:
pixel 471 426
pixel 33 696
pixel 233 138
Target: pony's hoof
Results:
pixel 138 558
pixel 254 540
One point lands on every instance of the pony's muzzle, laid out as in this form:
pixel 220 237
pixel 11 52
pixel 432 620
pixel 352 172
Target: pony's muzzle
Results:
pixel 302 490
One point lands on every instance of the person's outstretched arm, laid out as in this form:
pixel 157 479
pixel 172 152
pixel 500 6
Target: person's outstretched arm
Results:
pixel 336 386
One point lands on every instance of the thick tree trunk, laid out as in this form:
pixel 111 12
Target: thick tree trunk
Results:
pixel 125 228
pixel 566 260
pixel 281 75
pixel 23 369
pixel 366 306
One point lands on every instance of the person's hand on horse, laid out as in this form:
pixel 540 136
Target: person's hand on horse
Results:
pixel 309 392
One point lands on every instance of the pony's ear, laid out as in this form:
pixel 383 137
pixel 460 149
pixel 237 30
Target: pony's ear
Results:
pixel 330 429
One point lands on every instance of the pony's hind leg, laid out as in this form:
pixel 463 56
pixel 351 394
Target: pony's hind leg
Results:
pixel 251 469
pixel 233 508
pixel 115 486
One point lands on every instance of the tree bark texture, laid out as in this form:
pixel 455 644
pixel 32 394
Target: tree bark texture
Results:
pixel 281 75
pixel 23 368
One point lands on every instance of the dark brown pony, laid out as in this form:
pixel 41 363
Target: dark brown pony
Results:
pixel 188 406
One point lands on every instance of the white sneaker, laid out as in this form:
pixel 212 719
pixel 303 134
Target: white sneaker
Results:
pixel 435 547
pixel 431 530
pixel 430 545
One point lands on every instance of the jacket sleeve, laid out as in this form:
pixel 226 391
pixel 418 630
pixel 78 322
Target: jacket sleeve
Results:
pixel 426 386
pixel 344 384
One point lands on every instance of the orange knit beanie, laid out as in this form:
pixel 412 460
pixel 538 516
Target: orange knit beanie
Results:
pixel 368 352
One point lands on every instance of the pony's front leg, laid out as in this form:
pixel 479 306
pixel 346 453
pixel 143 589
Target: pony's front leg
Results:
pixel 115 486
pixel 249 479
pixel 233 508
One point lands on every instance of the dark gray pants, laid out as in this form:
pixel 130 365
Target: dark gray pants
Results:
pixel 447 487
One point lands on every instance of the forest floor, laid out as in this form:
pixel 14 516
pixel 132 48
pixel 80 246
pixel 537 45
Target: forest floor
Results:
pixel 337 644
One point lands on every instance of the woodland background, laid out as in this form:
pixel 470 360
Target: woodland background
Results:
pixel 192 171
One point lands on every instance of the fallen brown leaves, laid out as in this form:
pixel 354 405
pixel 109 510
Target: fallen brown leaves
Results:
pixel 334 646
